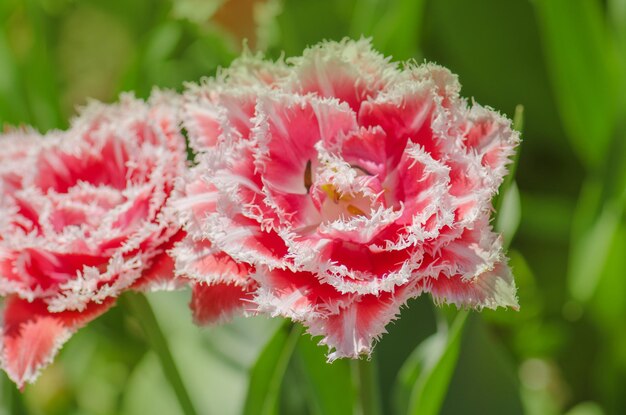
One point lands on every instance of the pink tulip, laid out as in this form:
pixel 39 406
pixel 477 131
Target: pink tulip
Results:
pixel 84 218
pixel 333 187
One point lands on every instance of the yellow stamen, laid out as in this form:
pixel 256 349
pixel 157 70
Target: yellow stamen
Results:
pixel 329 189
pixel 355 210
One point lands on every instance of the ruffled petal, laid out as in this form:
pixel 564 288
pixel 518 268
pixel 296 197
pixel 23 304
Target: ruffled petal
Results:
pixel 354 329
pixel 490 136
pixel 288 128
pixel 32 336
pixel 160 276
pixel 298 295
pixel 406 113
pixel 349 70
pixel 217 303
pixel 491 289
pixel 202 262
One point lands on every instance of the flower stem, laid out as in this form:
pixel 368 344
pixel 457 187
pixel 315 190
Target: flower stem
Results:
pixel 11 397
pixel 140 307
pixel 368 394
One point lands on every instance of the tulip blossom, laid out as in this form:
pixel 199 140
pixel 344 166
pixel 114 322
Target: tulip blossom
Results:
pixel 333 187
pixel 84 218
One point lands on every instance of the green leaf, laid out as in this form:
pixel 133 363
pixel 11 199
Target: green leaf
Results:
pixel 590 251
pixel 583 69
pixel 486 380
pixel 215 361
pixel 397 33
pixel 216 385
pixel 366 13
pixel 323 380
pixel 598 215
pixel 139 306
pixel 617 16
pixel 505 193
pixel 366 377
pixel 11 402
pixel 12 105
pixel 509 214
pixel 424 378
pixel 162 42
pixel 586 408
pixel 39 70
pixel 267 374
pixel 608 306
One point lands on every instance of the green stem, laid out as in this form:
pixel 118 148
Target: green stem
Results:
pixel 11 397
pixel 140 307
pixel 365 373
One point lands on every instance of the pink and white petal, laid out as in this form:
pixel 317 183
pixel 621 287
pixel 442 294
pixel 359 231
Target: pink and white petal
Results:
pixel 406 113
pixel 201 261
pixel 160 276
pixel 445 83
pixel 292 210
pixel 28 205
pixel 351 71
pixel 491 289
pixel 418 183
pixel 40 269
pixel 205 124
pixel 471 252
pixel 196 200
pixel 218 303
pixel 365 149
pixel 418 189
pixel 101 163
pixel 18 146
pixel 489 135
pixel 243 239
pixel 57 171
pixel 225 116
pixel 225 182
pixel 364 269
pixel 359 229
pixel 240 106
pixel 288 128
pixel 134 213
pixel 470 189
pixel 353 331
pixel 32 336
pixel 242 184
pixel 164 119
pixel 296 295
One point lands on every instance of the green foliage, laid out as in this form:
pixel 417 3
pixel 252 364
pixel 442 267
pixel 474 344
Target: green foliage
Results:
pixel 216 362
pixel 423 380
pixel 323 381
pixel 485 380
pixel 268 371
pixel 577 50
pixel 139 307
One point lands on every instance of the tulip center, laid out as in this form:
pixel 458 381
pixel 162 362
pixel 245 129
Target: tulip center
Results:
pixel 350 205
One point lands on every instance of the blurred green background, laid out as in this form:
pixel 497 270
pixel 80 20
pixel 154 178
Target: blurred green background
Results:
pixel 563 60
